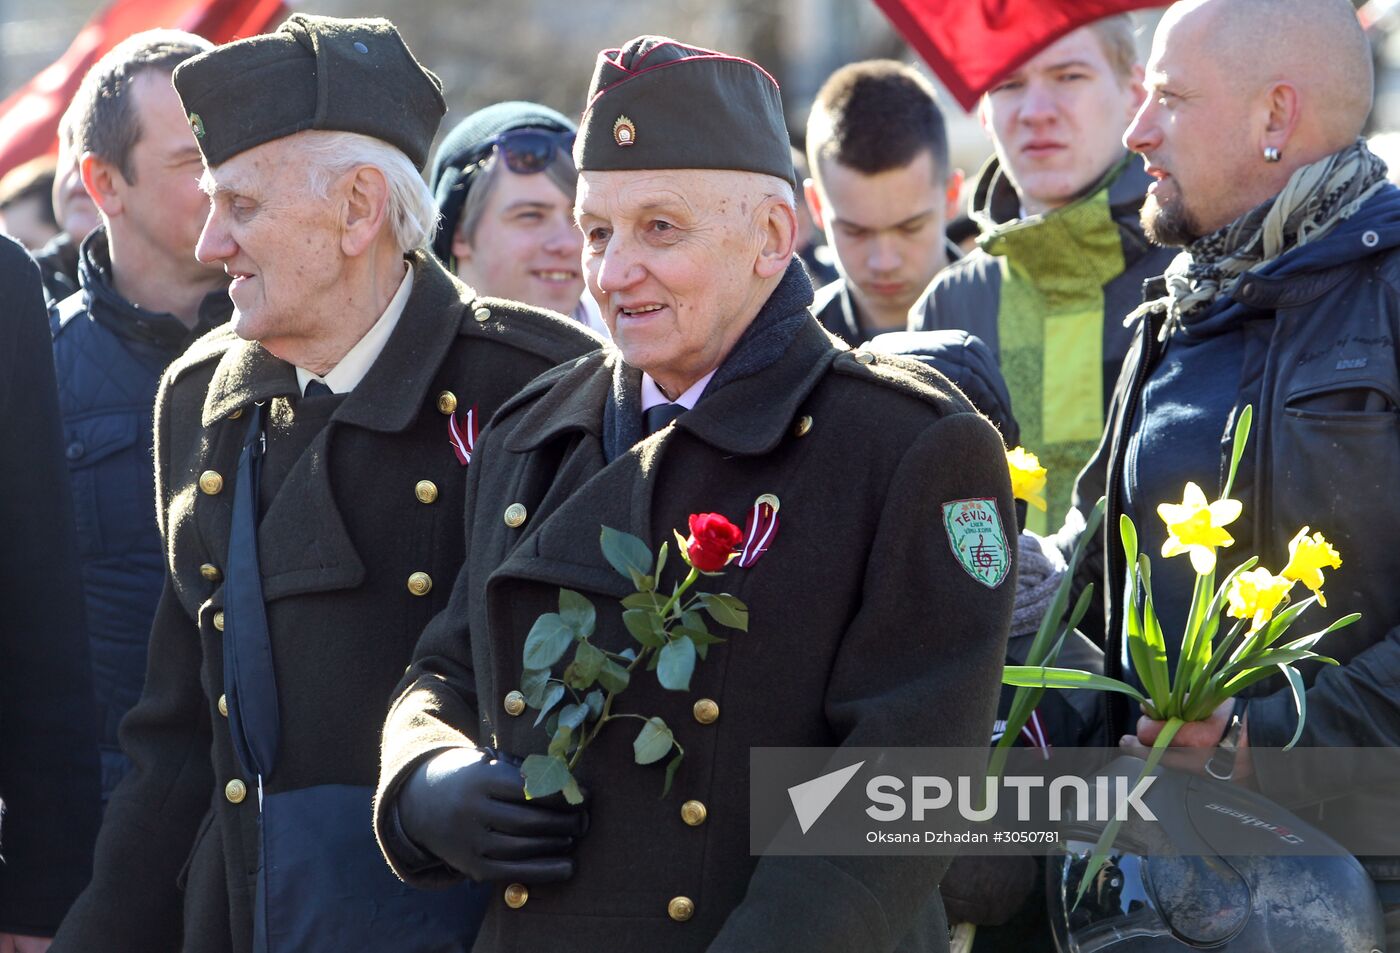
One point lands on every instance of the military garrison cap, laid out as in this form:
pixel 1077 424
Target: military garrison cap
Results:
pixel 312 73
pixel 660 104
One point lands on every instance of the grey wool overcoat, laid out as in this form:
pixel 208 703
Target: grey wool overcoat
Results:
pixel 358 547
pixel 864 629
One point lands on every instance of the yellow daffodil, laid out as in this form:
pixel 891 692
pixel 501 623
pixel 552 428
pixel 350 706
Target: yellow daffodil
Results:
pixel 1027 477
pixel 1197 527
pixel 1307 557
pixel 1256 594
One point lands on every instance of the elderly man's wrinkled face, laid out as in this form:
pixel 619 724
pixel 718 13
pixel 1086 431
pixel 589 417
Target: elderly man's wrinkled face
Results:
pixel 278 241
pixel 670 258
pixel 1194 132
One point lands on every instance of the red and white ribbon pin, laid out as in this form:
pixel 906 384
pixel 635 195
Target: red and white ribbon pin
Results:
pixel 463 436
pixel 760 529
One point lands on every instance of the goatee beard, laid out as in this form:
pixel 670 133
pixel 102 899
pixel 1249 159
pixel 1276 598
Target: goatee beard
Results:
pixel 1168 225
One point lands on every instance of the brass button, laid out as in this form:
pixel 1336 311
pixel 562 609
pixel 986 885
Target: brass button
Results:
pixel 516 895
pixel 514 703
pixel 235 791
pixel 425 490
pixel 706 711
pixel 864 357
pixel 694 813
pixel 804 425
pixel 482 314
pixel 219 620
pixel 223 705
pixel 447 402
pixel 211 482
pixel 235 413
pixel 211 572
pixel 515 515
pixel 681 909
pixel 420 583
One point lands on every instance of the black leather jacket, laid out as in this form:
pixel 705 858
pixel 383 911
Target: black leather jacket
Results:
pixel 1325 452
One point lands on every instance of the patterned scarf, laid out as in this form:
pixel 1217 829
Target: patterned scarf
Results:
pixel 1314 200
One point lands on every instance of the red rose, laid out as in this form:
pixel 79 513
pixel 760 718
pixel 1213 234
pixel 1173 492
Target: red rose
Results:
pixel 712 540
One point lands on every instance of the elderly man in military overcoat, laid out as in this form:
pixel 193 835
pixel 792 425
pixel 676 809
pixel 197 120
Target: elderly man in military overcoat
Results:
pixel 311 463
pixel 870 621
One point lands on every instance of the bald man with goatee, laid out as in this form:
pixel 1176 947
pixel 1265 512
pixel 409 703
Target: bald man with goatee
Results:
pixel 1285 297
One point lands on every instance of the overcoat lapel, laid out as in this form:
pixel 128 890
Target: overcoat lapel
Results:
pixel 303 543
pixel 747 417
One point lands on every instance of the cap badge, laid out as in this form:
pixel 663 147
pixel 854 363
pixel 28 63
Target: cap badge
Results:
pixel 197 125
pixel 624 132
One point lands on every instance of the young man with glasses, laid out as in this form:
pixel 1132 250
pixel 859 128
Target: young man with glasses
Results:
pixel 504 181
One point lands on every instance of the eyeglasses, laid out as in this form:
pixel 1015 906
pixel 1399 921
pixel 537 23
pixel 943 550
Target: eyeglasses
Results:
pixel 525 151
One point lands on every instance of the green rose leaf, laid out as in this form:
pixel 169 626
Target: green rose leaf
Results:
pixel 644 626
pixel 577 612
pixel 652 742
pixel 571 792
pixel 563 737
pixel 533 684
pixel 727 611
pixel 552 696
pixel 613 677
pixel 671 767
pixel 573 716
pixel 547 642
pixel 694 621
pixel 703 640
pixel 643 583
pixel 641 600
pixel 625 553
pixel 594 701
pixel 588 662
pixel 551 724
pixel 676 664
pixel 545 775
pixel 629 653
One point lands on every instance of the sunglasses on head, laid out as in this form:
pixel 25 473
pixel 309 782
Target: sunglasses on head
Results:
pixel 526 151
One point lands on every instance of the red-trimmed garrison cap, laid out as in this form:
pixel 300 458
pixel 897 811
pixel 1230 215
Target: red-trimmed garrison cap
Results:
pixel 657 103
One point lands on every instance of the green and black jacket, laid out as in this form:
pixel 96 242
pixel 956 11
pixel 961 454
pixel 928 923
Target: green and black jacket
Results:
pixel 1048 293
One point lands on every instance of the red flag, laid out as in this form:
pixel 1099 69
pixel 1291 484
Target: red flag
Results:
pixel 973 44
pixel 30 116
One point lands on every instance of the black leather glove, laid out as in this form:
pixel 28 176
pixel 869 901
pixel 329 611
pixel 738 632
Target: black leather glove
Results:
pixel 468 808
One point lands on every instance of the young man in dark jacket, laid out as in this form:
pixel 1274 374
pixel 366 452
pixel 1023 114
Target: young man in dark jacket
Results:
pixel 141 164
pixel 1286 298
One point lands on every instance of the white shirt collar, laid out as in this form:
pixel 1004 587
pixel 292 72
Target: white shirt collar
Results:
pixel 356 363
pixel 653 397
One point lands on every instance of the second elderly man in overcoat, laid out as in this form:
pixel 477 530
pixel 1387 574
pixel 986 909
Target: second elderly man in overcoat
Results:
pixel 870 621
pixel 310 470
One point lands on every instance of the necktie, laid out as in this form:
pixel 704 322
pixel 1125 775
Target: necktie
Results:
pixel 659 416
pixel 316 388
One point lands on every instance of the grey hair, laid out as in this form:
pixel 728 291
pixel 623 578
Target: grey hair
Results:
pixel 560 171
pixel 412 212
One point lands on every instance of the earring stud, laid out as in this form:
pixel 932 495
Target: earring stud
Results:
pixel 1271 154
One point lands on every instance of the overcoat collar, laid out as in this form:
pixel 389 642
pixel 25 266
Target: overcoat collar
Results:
pixel 392 392
pixel 746 417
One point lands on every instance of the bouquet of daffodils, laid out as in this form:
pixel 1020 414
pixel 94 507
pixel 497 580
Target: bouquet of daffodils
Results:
pixel 1217 660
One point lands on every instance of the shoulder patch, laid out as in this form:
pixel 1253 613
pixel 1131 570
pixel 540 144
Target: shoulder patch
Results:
pixel 978 540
